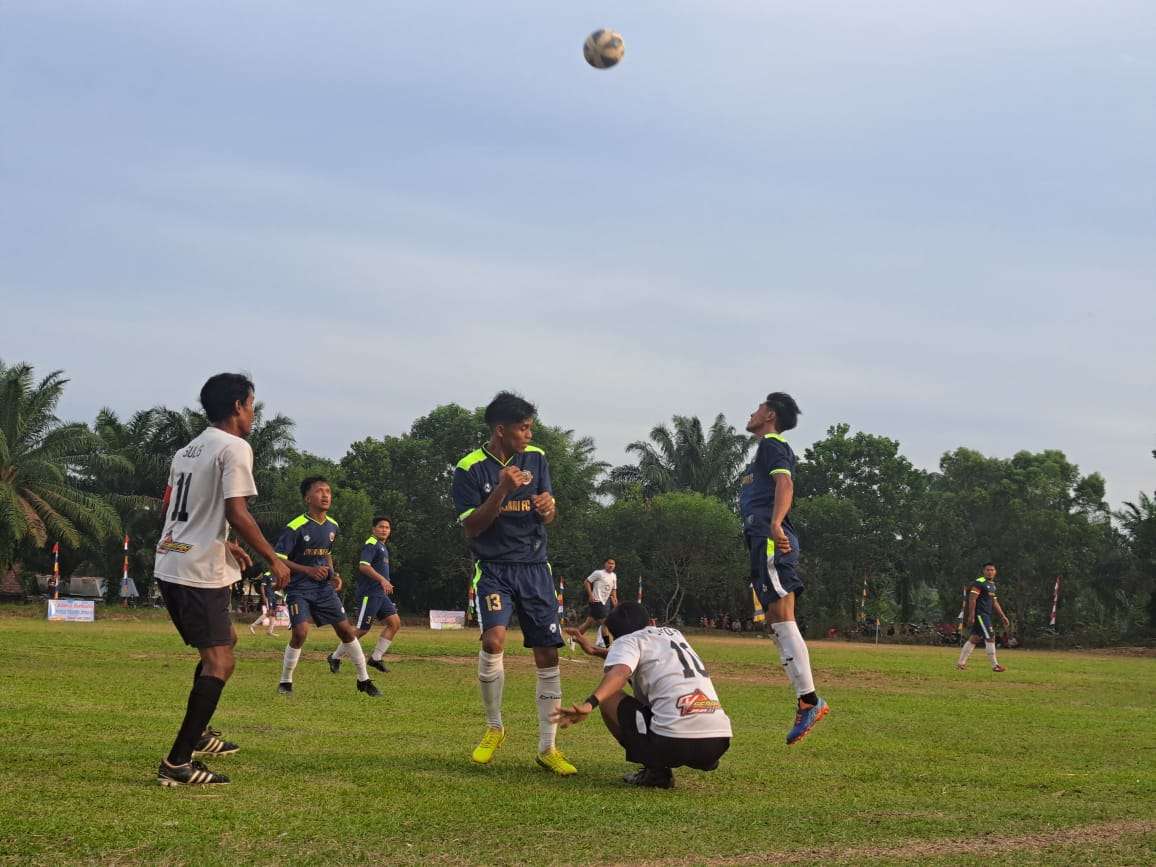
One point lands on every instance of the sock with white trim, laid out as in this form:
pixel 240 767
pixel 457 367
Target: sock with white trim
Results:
pixel 292 654
pixel 989 649
pixel 352 650
pixel 965 652
pixel 797 661
pixel 492 678
pixel 380 649
pixel 549 700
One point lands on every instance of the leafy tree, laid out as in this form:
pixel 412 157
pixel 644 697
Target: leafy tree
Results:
pixel 686 459
pixel 42 464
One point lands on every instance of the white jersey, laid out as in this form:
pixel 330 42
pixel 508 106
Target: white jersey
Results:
pixel 211 469
pixel 602 583
pixel 670 678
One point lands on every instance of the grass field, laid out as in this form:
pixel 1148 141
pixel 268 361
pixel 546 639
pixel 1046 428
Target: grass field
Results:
pixel 1052 762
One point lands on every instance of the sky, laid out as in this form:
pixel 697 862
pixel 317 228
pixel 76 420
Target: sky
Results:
pixel 932 221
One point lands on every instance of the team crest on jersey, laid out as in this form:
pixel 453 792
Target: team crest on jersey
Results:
pixel 486 487
pixel 167 544
pixel 696 702
pixel 306 537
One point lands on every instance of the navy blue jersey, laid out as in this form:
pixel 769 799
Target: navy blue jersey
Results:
pixel 308 543
pixel 517 534
pixel 375 555
pixel 984 593
pixel 757 496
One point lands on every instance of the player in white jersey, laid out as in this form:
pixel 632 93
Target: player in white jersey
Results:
pixel 210 482
pixel 674 719
pixel 602 593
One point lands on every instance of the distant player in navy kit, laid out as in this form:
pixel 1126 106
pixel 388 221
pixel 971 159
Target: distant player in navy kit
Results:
pixel 209 486
pixel 503 496
pixel 981 600
pixel 305 545
pixel 373 590
pixel 268 598
pixel 768 489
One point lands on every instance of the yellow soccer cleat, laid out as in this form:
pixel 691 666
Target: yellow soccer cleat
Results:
pixel 484 752
pixel 553 760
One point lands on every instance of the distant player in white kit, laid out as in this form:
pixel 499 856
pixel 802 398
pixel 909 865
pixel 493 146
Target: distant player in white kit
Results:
pixel 210 483
pixel 674 719
pixel 602 594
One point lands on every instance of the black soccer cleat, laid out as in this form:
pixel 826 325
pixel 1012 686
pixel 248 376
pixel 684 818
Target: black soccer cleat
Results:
pixel 651 778
pixel 368 688
pixel 285 688
pixel 211 744
pixel 378 664
pixel 192 774
pixel 334 664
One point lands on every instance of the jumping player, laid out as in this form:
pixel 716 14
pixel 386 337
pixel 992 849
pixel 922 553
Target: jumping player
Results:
pixel 981 599
pixel 503 497
pixel 210 482
pixel 674 718
pixel 373 589
pixel 768 489
pixel 305 545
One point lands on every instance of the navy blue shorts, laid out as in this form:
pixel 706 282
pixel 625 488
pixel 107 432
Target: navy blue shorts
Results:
pixel 374 606
pixel 321 604
pixel 525 588
pixel 982 627
pixel 773 575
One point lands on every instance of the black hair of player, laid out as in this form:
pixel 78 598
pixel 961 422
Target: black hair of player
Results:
pixel 220 394
pixel 626 618
pixel 309 481
pixel 377 519
pixel 988 563
pixel 508 408
pixel 787 412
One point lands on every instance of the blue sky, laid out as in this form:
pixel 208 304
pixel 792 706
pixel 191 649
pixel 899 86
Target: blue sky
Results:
pixel 937 224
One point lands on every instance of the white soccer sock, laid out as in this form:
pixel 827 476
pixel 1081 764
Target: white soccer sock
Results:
pixel 292 654
pixel 379 649
pixel 601 640
pixel 796 659
pixel 989 649
pixel 352 650
pixel 965 652
pixel 260 620
pixel 549 700
pixel 782 656
pixel 492 677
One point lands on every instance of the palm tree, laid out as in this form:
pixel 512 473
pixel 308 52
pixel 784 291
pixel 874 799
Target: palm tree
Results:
pixel 43 467
pixel 686 459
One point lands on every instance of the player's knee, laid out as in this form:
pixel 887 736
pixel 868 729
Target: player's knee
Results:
pixel 493 645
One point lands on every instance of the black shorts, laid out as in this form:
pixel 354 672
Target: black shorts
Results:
pixel 200 614
pixel 658 751
pixel 773 573
pixel 599 610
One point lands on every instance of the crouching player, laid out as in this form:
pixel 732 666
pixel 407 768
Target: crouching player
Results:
pixel 674 719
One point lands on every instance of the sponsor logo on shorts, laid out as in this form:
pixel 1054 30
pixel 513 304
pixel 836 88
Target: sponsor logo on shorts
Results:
pixel 696 702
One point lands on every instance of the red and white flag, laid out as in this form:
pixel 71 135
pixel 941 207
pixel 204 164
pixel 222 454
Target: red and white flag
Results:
pixel 1055 602
pixel 55 570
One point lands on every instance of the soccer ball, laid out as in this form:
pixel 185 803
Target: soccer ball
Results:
pixel 604 48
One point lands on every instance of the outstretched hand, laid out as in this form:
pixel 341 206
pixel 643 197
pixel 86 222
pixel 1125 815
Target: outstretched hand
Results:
pixel 568 716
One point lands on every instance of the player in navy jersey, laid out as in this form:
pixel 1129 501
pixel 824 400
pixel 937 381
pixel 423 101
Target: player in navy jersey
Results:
pixel 981 601
pixel 305 545
pixel 767 492
pixel 504 500
pixel 373 589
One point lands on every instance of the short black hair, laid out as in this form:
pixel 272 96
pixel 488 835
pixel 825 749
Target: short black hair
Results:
pixel 377 519
pixel 787 412
pixel 309 481
pixel 509 408
pixel 626 618
pixel 988 563
pixel 220 393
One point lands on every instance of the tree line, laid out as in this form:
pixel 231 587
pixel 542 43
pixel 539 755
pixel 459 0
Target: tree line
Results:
pixel 880 537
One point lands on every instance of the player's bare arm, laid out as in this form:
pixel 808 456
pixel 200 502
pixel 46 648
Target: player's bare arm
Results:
pixel 479 520
pixel 971 597
pixel 584 642
pixel 784 495
pixel 373 575
pixel 613 681
pixel 239 518
pixel 999 611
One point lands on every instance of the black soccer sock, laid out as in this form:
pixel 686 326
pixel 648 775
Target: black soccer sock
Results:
pixel 203 698
pixel 810 698
pixel 197 672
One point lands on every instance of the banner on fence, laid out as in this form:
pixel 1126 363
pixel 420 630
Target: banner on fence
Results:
pixel 447 619
pixel 75 610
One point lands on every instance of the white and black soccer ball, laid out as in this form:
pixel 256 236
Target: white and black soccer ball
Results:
pixel 604 48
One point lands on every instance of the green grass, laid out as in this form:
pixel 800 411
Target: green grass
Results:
pixel 1052 762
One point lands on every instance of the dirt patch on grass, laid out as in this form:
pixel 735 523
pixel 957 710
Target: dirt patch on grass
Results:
pixel 945 849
